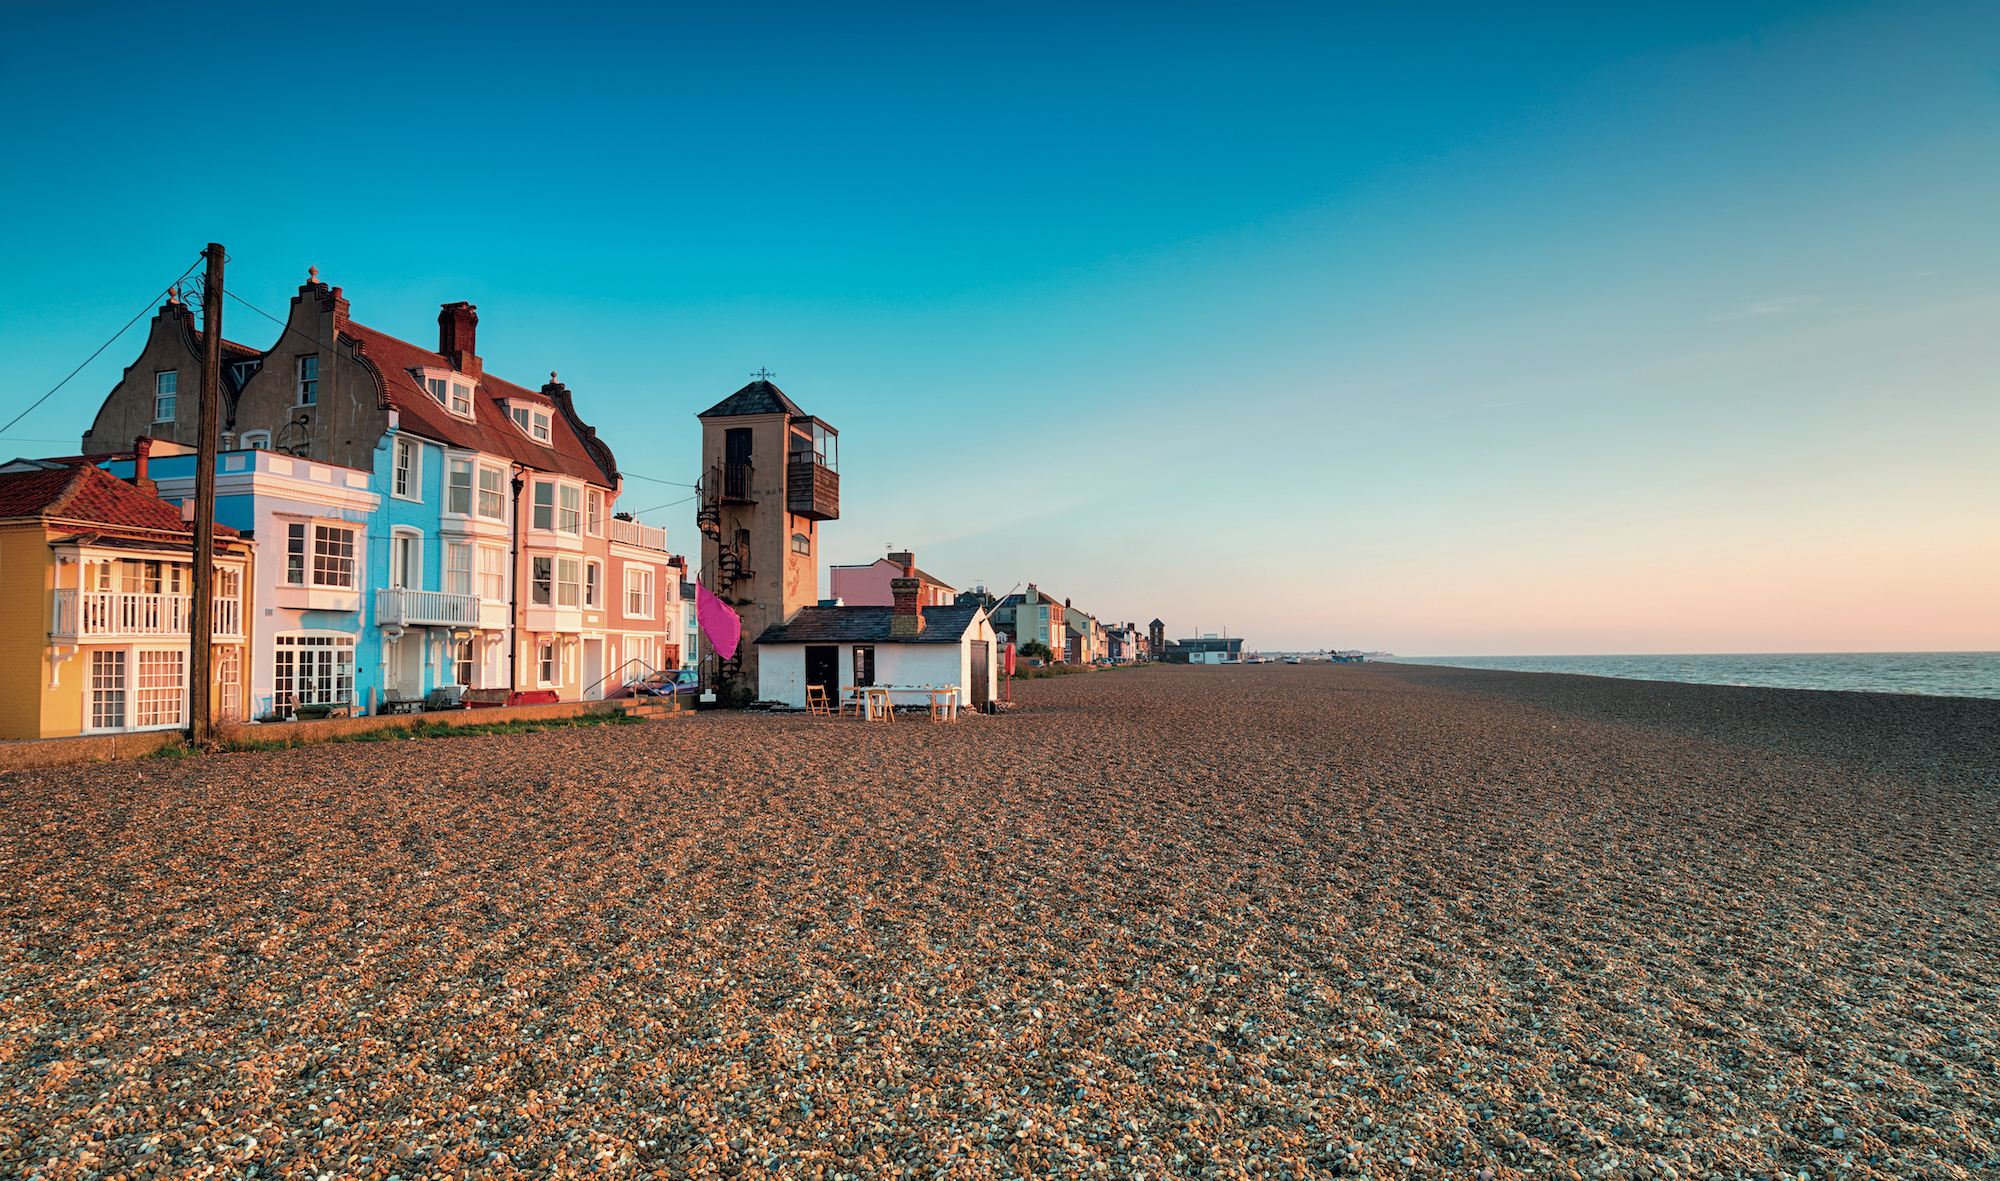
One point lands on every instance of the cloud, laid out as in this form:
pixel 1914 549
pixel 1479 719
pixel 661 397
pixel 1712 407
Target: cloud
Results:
pixel 1769 307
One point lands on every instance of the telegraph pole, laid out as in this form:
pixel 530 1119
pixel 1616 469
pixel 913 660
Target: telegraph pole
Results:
pixel 201 621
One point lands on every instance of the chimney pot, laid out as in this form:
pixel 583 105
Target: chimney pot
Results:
pixel 458 328
pixel 142 448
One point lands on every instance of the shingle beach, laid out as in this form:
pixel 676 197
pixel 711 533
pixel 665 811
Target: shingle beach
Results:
pixel 1273 921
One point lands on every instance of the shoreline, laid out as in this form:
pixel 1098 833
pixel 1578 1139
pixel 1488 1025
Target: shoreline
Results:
pixel 1907 732
pixel 1639 672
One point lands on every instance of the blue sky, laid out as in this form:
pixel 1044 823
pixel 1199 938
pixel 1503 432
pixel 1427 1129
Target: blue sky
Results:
pixel 1440 331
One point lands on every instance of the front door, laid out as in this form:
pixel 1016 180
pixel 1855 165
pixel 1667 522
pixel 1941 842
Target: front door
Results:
pixel 982 675
pixel 823 669
pixel 593 669
pixel 409 664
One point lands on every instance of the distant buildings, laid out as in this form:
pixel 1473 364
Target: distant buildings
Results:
pixel 1205 650
pixel 868 586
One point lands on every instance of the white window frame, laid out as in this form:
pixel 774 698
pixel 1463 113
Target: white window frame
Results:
pixel 452 466
pixel 406 479
pixel 162 703
pixel 307 372
pixel 593 584
pixel 533 421
pixel 461 399
pixel 492 564
pixel 545 661
pixel 406 558
pixel 166 392
pixel 254 440
pixel 458 572
pixel 106 703
pixel 638 599
pixel 535 506
pixel 569 509
pixel 498 492
pixel 569 582
pixel 541 585
pixel 331 685
pixel 304 541
pixel 593 510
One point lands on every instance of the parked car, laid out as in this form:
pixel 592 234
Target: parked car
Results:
pixel 672 682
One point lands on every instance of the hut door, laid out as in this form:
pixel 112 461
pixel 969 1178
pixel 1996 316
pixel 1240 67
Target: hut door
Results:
pixel 823 669
pixel 982 674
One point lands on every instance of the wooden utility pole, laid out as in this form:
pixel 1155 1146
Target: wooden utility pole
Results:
pixel 201 620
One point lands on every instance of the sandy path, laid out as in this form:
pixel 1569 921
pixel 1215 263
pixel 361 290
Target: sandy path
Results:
pixel 1283 921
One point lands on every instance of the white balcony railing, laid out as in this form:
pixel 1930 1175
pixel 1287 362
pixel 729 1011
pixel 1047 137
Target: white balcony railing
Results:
pixel 109 615
pixel 417 608
pixel 644 536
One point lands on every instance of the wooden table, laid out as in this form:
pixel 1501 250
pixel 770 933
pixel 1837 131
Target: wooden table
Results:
pixel 942 700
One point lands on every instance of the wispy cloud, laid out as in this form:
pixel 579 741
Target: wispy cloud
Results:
pixel 1769 307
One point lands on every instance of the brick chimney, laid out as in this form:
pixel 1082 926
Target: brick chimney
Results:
pixel 142 448
pixel 906 618
pixel 458 328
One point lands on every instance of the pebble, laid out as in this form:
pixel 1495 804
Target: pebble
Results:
pixel 1156 921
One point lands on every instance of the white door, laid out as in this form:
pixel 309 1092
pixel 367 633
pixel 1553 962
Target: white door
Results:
pixel 593 668
pixel 408 666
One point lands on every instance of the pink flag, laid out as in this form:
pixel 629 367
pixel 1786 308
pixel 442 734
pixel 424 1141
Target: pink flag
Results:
pixel 722 625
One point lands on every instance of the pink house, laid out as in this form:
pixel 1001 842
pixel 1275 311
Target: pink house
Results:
pixel 868 586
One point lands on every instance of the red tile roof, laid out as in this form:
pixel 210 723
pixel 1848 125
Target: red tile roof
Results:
pixel 89 495
pixel 573 450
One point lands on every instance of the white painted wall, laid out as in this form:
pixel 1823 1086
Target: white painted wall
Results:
pixel 781 668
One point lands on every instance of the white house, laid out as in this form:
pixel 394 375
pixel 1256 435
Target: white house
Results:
pixel 839 647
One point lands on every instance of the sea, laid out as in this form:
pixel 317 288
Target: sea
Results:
pixel 1933 674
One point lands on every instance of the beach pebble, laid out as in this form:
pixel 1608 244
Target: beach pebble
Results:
pixel 1174 922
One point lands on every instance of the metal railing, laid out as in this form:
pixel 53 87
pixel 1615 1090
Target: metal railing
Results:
pixel 106 614
pixel 644 536
pixel 399 607
pixel 621 679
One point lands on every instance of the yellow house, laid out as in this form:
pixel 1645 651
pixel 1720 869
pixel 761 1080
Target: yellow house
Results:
pixel 98 576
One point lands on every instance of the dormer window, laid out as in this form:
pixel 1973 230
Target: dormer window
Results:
pixel 452 394
pixel 533 422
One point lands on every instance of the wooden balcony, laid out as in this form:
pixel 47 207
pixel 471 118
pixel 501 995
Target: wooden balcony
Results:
pixel 113 615
pixel 812 490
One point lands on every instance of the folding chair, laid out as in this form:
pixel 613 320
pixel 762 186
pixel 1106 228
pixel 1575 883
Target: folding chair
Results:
pixel 816 700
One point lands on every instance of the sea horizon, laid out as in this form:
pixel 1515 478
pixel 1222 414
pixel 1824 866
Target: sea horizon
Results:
pixel 1928 674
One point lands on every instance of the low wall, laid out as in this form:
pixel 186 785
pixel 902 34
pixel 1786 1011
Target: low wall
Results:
pixel 101 748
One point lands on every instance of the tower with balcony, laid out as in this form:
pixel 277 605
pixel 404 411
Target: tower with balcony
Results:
pixel 770 477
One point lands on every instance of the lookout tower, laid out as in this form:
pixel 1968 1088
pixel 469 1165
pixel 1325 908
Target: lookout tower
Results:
pixel 770 476
pixel 1156 639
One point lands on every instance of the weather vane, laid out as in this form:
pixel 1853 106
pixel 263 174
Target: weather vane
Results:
pixel 764 374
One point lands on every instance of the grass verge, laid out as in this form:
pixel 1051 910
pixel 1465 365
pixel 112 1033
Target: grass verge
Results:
pixel 181 750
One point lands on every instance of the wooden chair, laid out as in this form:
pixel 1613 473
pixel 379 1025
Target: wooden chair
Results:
pixel 816 700
pixel 944 704
pixel 854 699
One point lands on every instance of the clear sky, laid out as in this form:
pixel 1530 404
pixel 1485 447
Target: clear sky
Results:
pixel 1439 330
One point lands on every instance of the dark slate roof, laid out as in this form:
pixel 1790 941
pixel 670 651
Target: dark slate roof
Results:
pixel 867 625
pixel 759 397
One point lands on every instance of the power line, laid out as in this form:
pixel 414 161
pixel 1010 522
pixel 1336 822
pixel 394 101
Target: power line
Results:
pixel 656 508
pixel 100 348
pixel 657 480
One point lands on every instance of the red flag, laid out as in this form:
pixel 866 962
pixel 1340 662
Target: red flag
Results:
pixel 722 625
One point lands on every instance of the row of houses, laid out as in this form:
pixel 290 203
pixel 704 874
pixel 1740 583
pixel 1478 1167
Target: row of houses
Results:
pixel 393 524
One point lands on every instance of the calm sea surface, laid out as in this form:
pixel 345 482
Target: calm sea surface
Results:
pixel 1938 674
